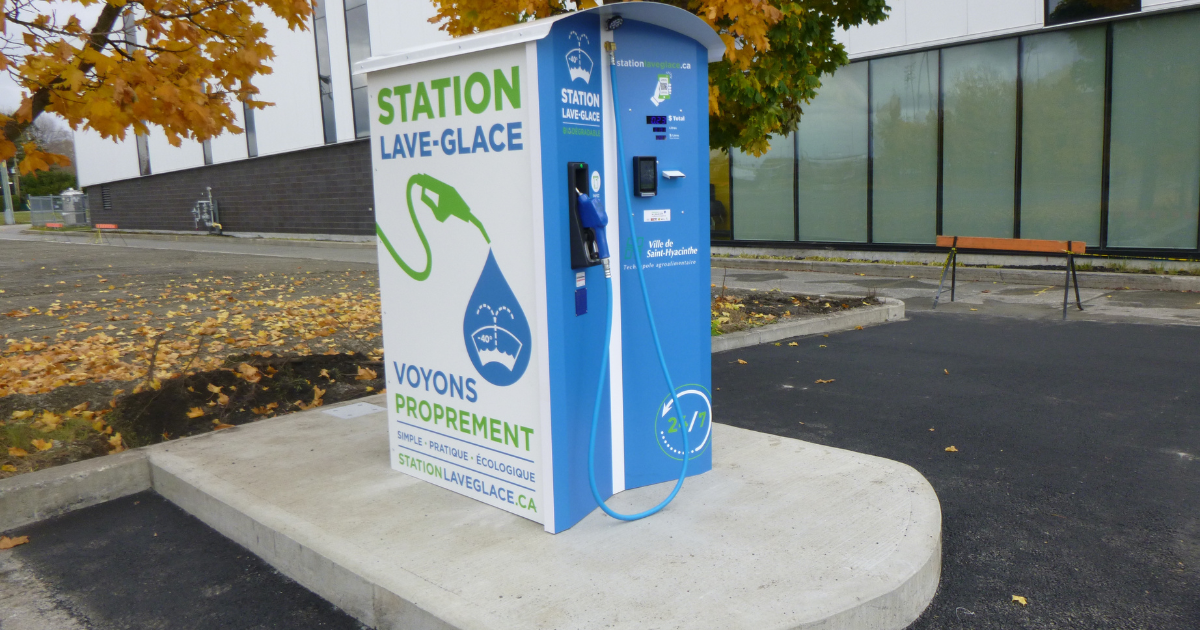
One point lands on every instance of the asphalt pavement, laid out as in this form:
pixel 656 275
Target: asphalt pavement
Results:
pixel 139 563
pixel 1076 477
pixel 1075 482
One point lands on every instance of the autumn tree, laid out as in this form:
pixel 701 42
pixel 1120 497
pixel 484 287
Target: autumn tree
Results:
pixel 776 52
pixel 116 65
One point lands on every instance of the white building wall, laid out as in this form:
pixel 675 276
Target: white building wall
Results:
pixel 924 23
pixel 228 147
pixel 399 24
pixel 165 158
pixel 98 160
pixel 294 121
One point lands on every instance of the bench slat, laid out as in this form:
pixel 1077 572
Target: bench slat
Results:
pixel 1013 244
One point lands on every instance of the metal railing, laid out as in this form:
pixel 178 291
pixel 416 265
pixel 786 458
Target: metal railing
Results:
pixel 69 210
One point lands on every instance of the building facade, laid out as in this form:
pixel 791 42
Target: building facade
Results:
pixel 1063 119
pixel 1055 119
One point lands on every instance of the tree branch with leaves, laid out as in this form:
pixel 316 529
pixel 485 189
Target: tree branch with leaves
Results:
pixel 175 64
pixel 776 52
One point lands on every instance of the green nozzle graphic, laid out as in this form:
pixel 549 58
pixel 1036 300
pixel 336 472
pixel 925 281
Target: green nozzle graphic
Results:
pixel 444 202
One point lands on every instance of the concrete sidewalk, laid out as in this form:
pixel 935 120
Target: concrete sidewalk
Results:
pixel 979 298
pixel 334 251
pixel 781 534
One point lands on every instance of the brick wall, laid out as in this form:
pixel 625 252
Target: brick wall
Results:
pixel 326 190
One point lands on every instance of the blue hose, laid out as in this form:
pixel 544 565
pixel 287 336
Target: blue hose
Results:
pixel 685 427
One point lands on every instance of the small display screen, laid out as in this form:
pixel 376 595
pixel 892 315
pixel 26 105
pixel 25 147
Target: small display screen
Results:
pixel 647 174
pixel 660 130
pixel 656 120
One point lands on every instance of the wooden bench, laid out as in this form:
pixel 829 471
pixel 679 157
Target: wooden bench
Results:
pixel 1067 248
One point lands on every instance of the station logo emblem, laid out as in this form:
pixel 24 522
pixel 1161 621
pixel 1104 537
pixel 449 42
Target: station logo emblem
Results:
pixel 579 63
pixel 495 330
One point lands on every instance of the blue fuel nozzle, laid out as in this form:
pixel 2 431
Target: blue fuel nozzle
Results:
pixel 592 215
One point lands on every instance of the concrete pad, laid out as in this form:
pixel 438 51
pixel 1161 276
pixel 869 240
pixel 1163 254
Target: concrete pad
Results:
pixel 781 534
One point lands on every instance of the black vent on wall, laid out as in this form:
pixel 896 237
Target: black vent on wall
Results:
pixel 105 198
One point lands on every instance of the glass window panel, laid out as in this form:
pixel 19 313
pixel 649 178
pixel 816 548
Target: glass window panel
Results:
pixel 358 35
pixel 1154 178
pixel 718 195
pixel 904 146
pixel 763 192
pixel 324 72
pixel 1064 11
pixel 1062 135
pixel 979 141
pixel 358 42
pixel 251 132
pixel 832 141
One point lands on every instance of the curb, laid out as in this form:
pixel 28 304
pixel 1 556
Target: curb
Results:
pixel 51 492
pixel 1087 279
pixel 891 310
pixel 228 237
pixel 43 494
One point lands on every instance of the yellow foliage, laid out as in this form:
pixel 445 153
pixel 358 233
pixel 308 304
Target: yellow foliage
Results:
pixel 42 445
pixel 185 70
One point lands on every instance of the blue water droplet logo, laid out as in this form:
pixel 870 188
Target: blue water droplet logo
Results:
pixel 495 329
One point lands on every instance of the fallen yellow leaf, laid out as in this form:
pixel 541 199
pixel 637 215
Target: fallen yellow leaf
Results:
pixel 50 421
pixel 370 389
pixel 822 381
pixel 793 344
pixel 42 445
pixel 8 468
pixel 325 373
pixel 250 373
pixel 1020 600
pixel 947 372
pixel 222 399
pixel 366 374
pixel 218 425
pixel 951 449
pixel 116 443
pixel 9 543
pixel 21 415
pixel 17 452
pixel 156 384
pixel 214 389
pixel 741 361
pixel 858 328
pixel 195 412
